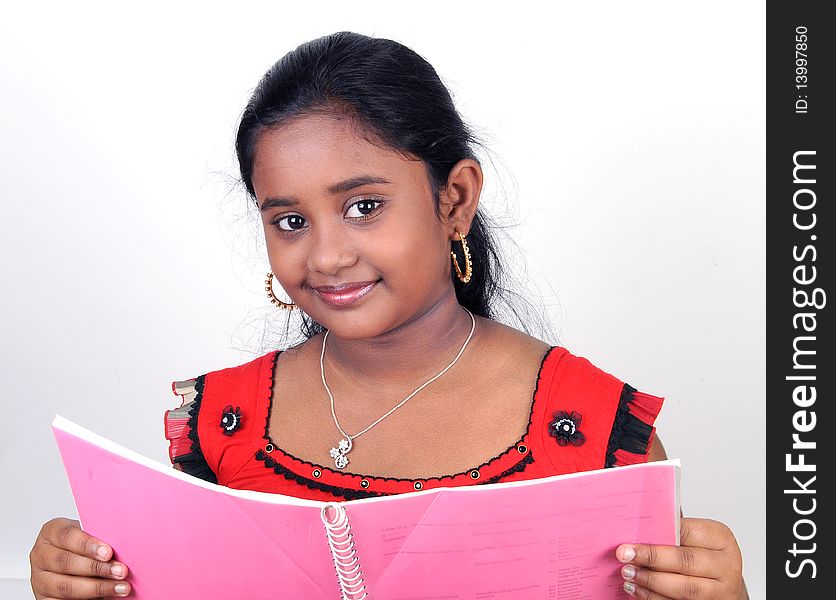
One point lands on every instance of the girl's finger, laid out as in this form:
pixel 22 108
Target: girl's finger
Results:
pixel 66 586
pixel 668 585
pixel 66 534
pixel 673 559
pixel 639 592
pixel 57 560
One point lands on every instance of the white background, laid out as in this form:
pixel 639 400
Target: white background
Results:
pixel 628 141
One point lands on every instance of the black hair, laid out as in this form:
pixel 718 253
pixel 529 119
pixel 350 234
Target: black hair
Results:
pixel 396 95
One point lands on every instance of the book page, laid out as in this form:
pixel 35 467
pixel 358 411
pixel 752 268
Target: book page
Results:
pixel 184 538
pixel 553 538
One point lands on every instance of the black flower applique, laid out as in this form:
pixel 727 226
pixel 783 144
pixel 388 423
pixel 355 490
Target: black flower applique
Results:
pixel 231 419
pixel 566 428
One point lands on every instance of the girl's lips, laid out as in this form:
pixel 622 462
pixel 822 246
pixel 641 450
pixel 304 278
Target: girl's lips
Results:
pixel 340 298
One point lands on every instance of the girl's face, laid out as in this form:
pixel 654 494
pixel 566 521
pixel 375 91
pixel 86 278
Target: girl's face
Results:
pixel 338 209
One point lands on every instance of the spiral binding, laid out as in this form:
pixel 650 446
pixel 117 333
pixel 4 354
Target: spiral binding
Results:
pixel 341 542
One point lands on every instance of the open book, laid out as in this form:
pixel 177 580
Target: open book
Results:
pixel 184 538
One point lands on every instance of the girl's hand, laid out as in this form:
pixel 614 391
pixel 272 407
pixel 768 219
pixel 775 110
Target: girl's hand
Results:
pixel 707 565
pixel 68 563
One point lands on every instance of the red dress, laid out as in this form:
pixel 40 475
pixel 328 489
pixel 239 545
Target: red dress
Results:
pixel 581 419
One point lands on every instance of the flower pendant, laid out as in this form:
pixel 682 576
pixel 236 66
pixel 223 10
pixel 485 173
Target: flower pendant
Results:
pixel 339 453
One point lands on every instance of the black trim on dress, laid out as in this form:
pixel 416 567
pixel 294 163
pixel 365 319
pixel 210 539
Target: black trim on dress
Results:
pixel 628 432
pixel 194 463
pixel 347 493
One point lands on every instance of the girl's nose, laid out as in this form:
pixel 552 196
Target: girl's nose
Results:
pixel 330 250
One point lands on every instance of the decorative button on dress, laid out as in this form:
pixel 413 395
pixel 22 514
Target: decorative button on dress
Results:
pixel 581 419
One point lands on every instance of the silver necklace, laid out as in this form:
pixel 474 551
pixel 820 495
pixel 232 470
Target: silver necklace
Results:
pixel 340 452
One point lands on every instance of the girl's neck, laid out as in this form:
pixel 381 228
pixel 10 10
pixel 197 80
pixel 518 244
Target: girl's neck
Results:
pixel 407 355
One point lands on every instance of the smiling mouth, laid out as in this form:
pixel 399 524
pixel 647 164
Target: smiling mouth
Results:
pixel 345 295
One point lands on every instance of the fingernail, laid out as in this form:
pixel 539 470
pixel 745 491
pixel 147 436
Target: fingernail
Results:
pixel 101 552
pixel 626 553
pixel 117 570
pixel 629 588
pixel 628 571
pixel 120 588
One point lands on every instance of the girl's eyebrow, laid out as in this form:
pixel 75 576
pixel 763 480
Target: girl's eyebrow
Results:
pixel 337 188
pixel 354 182
pixel 274 202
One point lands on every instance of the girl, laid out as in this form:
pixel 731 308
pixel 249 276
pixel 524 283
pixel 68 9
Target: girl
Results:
pixel 368 188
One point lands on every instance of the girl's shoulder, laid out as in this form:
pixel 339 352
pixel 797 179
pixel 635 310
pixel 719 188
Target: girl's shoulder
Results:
pixel 602 420
pixel 218 412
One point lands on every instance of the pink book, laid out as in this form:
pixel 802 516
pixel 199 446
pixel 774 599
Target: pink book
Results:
pixel 183 538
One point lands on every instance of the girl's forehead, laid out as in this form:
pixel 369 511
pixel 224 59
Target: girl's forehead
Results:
pixel 315 152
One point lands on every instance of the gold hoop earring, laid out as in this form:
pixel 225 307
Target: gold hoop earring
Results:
pixel 468 268
pixel 268 287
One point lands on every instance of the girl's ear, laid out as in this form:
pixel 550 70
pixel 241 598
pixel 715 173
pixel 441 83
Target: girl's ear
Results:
pixel 459 199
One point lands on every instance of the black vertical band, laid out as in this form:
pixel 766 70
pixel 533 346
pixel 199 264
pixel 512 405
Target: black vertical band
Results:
pixel 800 230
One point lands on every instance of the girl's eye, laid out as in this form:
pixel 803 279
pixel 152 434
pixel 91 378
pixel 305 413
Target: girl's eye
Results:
pixel 293 222
pixel 364 208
